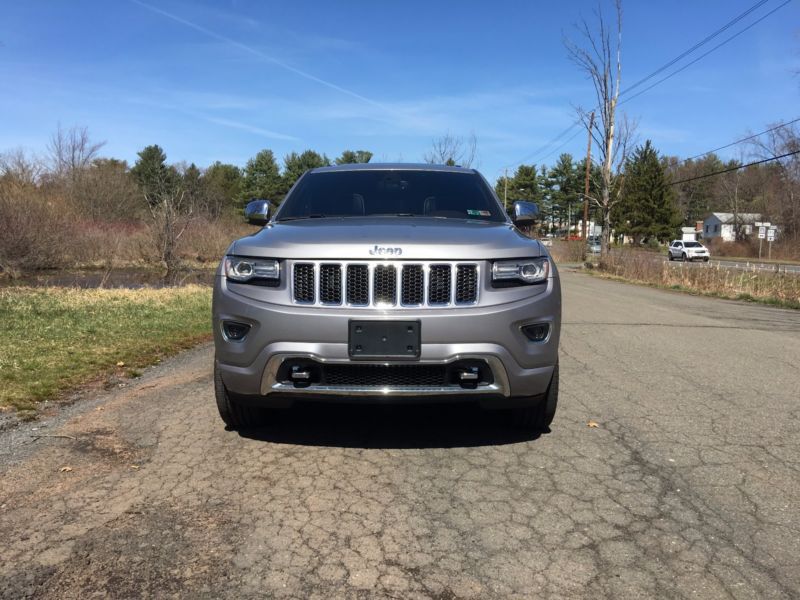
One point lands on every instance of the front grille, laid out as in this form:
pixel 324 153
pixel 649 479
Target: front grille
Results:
pixel 466 283
pixel 330 284
pixel 386 284
pixel 439 286
pixel 304 283
pixel 385 375
pixel 358 285
pixel 413 285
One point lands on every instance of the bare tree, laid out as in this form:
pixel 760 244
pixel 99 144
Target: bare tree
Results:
pixel 72 151
pixel 20 169
pixel 780 141
pixel 451 150
pixel 171 215
pixel 600 57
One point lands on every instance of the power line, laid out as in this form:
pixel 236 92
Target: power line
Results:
pixel 686 53
pixel 750 137
pixel 729 169
pixel 662 68
pixel 547 145
pixel 689 64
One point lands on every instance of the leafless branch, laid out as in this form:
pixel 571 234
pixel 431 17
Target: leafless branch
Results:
pixel 450 149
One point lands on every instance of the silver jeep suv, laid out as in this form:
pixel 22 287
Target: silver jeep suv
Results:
pixel 387 283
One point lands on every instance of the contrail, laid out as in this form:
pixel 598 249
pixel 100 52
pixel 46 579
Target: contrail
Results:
pixel 264 56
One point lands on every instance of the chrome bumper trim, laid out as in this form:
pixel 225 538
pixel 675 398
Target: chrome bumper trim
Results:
pixel 270 384
pixel 406 390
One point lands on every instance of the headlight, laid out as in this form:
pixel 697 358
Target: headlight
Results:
pixel 531 270
pixel 241 269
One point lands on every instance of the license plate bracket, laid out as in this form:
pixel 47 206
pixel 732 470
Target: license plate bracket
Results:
pixel 384 340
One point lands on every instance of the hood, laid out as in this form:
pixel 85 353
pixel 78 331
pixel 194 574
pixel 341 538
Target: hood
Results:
pixel 388 237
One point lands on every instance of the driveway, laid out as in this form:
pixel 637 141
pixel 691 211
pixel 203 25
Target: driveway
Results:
pixel 686 484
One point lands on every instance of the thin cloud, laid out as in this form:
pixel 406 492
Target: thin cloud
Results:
pixel 264 56
pixel 249 128
pixel 215 120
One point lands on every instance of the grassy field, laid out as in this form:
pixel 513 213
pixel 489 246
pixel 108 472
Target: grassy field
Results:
pixel 779 289
pixel 54 339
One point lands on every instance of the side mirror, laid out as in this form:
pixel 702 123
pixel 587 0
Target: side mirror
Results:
pixel 525 213
pixel 257 212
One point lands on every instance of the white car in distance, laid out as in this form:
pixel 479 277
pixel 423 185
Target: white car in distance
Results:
pixel 688 251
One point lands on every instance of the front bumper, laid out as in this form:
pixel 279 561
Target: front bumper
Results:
pixel 279 332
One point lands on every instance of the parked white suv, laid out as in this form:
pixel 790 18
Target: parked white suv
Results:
pixel 679 249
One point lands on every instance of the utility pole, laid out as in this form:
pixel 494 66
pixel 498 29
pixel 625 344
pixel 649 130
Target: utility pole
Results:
pixel 505 191
pixel 586 182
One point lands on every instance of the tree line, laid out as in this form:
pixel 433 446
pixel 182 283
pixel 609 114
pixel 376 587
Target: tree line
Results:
pixel 657 194
pixel 90 196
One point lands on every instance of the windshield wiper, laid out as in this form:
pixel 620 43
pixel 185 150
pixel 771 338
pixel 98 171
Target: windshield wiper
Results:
pixel 297 218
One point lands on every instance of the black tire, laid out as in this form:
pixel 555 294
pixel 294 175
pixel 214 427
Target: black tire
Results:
pixel 540 416
pixel 705 259
pixel 235 414
pixel 685 258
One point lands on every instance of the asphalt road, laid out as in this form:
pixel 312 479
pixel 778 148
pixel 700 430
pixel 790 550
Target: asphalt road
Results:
pixel 688 487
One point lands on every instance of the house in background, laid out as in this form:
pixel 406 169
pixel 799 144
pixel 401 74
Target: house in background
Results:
pixel 692 234
pixel 721 224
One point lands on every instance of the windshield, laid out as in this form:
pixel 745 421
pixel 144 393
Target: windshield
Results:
pixel 388 192
pixel 692 245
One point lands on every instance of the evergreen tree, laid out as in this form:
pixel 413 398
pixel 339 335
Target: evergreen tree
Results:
pixel 192 182
pixel 294 165
pixel 223 183
pixel 564 184
pixel 262 178
pixel 647 206
pixel 154 176
pixel 524 185
pixel 354 157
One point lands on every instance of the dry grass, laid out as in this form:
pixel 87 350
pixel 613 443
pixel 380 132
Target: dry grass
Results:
pixel 205 240
pixel 43 234
pixel 783 249
pixel 762 286
pixel 56 338
pixel 567 252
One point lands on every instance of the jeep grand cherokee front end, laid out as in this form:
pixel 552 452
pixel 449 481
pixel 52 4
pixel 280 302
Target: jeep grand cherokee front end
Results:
pixel 387 283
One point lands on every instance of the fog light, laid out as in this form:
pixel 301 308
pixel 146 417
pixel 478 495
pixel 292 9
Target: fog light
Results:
pixel 537 332
pixel 234 331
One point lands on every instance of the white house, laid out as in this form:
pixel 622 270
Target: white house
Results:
pixel 720 224
pixel 692 234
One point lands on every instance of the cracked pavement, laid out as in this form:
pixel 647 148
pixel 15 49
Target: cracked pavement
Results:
pixel 688 487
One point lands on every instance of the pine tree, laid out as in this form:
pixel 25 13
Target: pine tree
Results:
pixel 153 175
pixel 354 157
pixel 294 165
pixel 262 178
pixel 647 206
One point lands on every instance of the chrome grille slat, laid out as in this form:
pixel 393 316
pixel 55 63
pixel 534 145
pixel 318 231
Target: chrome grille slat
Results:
pixel 439 284
pixel 357 285
pixel 330 283
pixel 412 285
pixel 402 284
pixel 466 284
pixel 384 284
pixel 304 283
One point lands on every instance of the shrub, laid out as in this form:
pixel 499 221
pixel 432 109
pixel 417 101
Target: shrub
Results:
pixel 765 286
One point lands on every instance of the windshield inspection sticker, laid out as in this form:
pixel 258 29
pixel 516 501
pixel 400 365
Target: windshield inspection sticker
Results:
pixel 478 213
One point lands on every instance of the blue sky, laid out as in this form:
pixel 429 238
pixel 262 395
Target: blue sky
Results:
pixel 221 80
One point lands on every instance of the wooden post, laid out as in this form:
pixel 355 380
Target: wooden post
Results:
pixel 586 182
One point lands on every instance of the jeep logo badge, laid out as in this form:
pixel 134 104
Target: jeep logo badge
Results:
pixel 385 251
